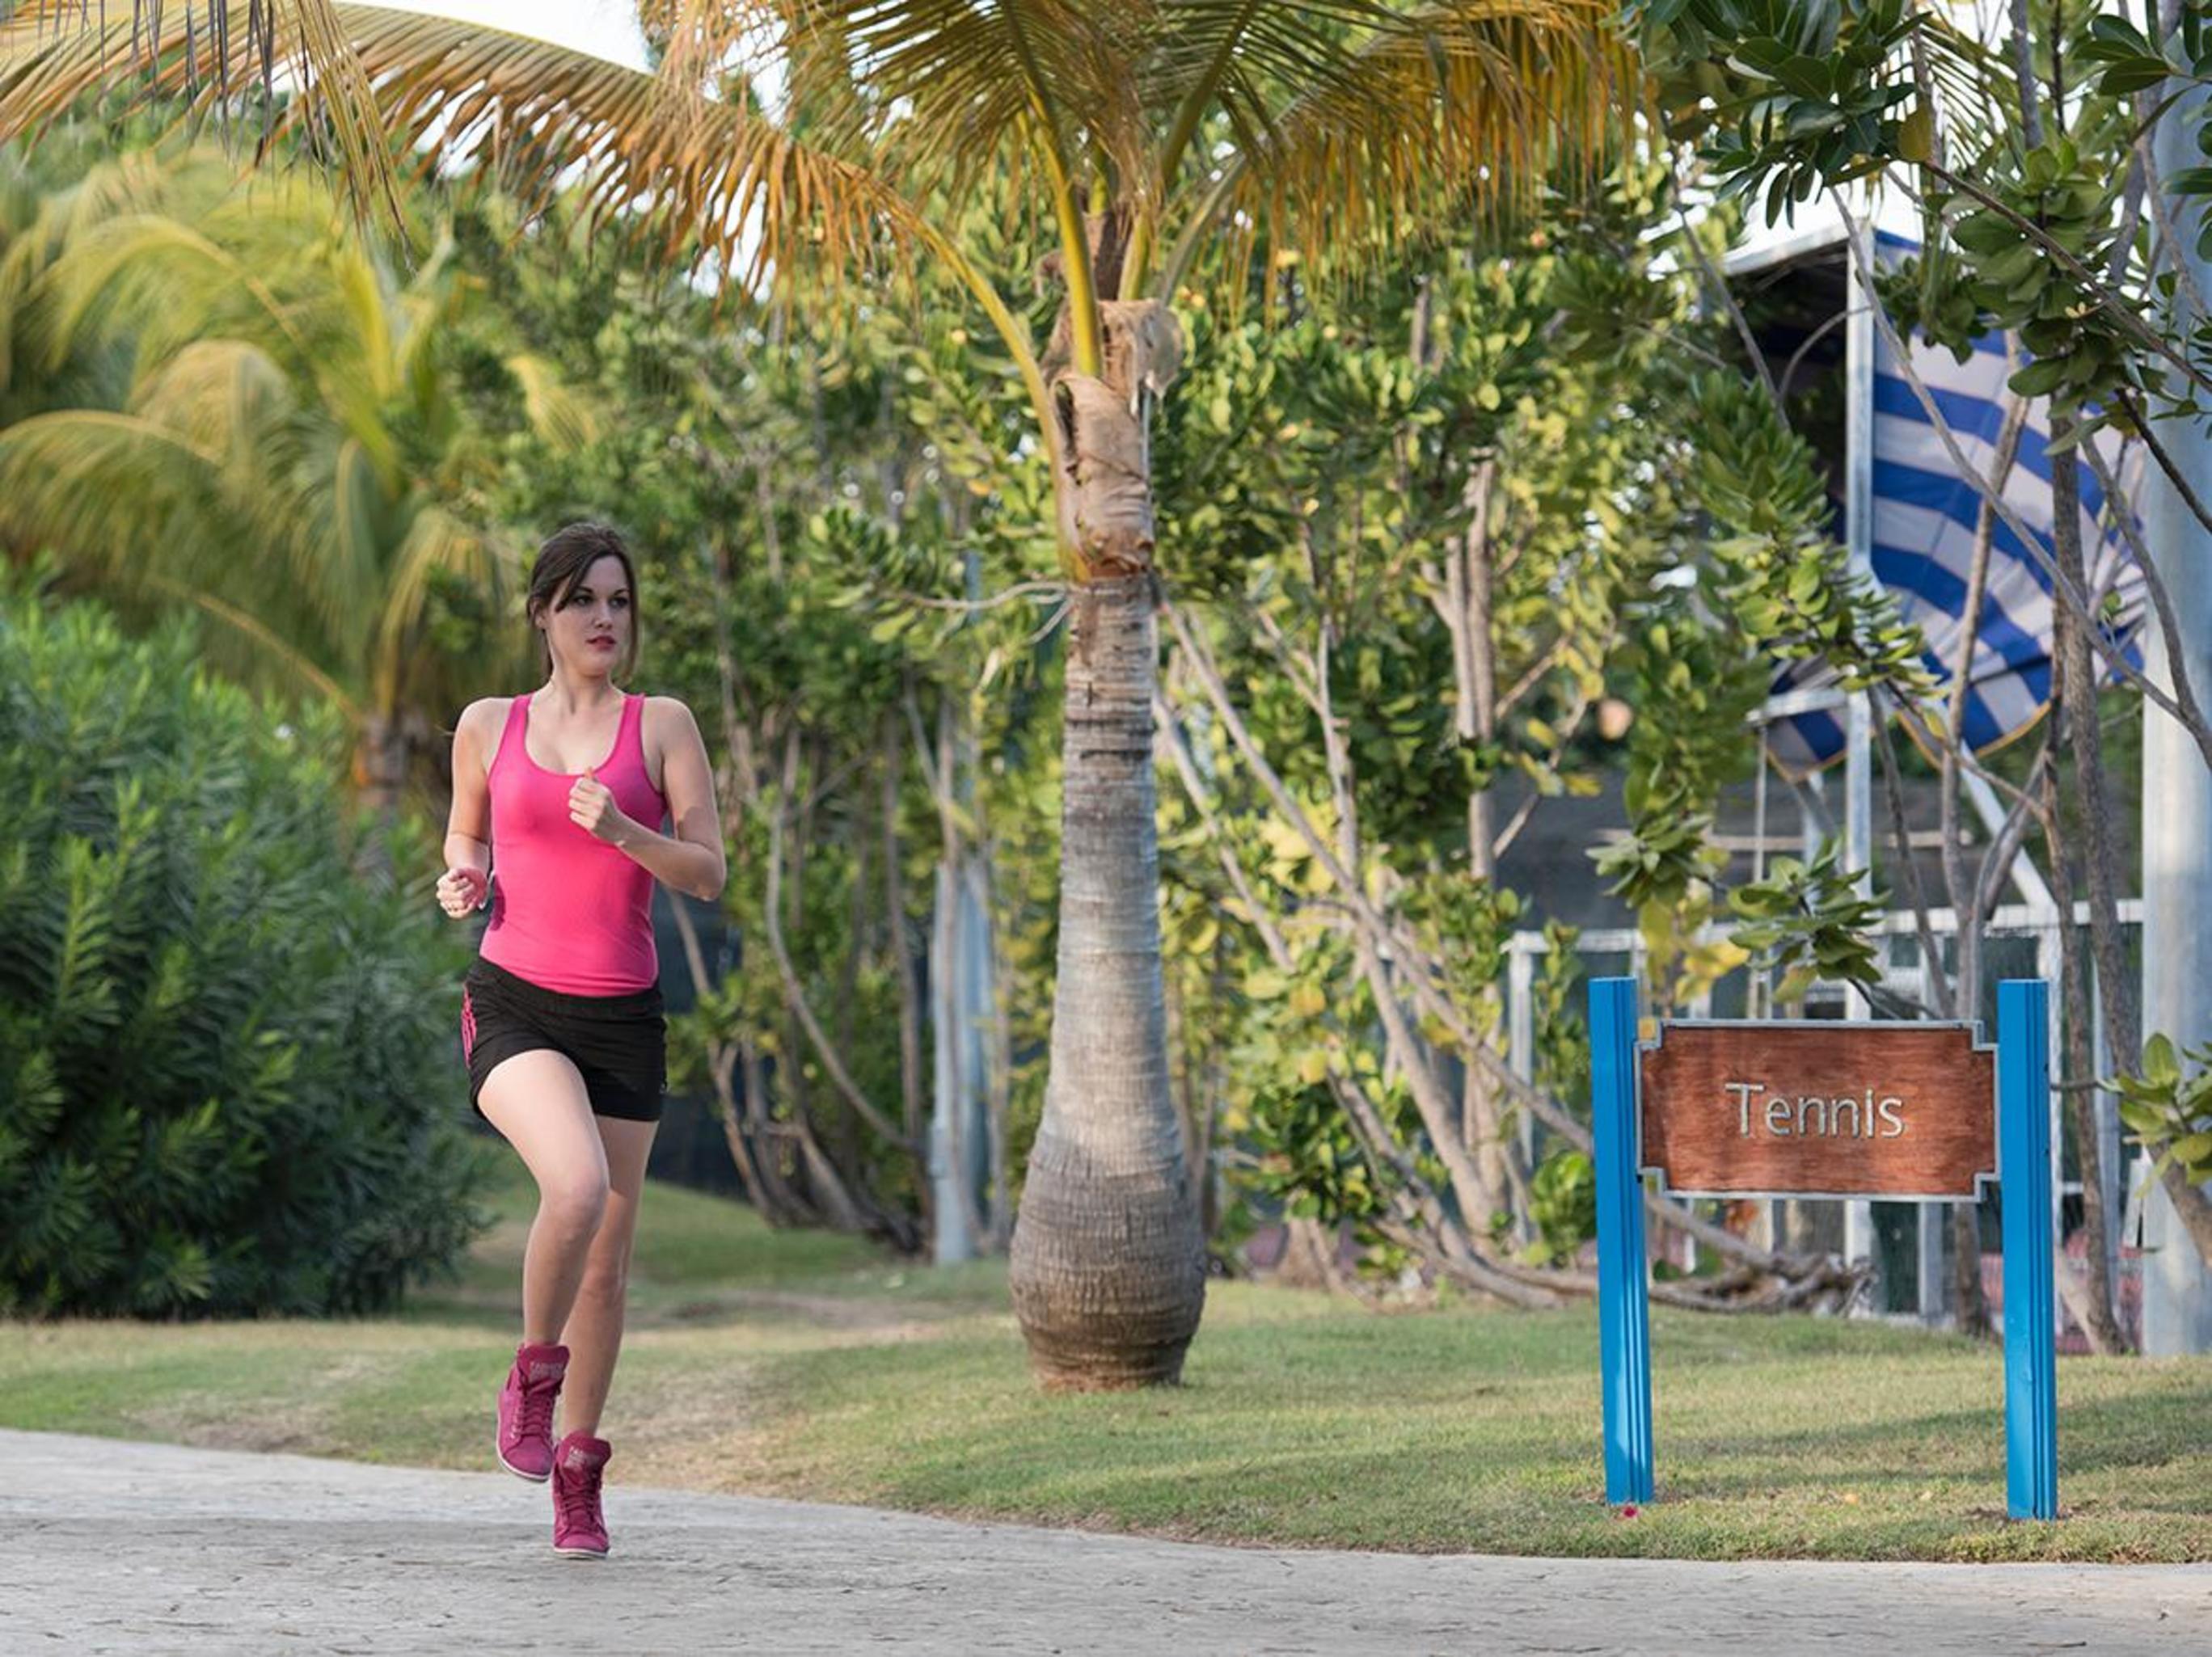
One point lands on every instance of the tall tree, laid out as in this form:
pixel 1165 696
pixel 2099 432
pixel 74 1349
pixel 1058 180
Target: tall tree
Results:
pixel 2048 215
pixel 1140 131
pixel 286 450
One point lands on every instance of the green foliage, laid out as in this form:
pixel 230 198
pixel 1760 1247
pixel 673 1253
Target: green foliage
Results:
pixel 2168 1110
pixel 1654 534
pixel 1797 94
pixel 1311 1161
pixel 2127 64
pixel 1810 921
pixel 1775 585
pixel 1300 1151
pixel 1468 925
pixel 1786 579
pixel 1695 683
pixel 1563 1203
pixel 1663 855
pixel 2001 261
pixel 1563 1054
pixel 228 1059
pixel 1789 96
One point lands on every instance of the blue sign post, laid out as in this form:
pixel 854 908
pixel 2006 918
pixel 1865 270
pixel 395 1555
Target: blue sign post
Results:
pixel 2031 1343
pixel 1624 1311
pixel 2023 1112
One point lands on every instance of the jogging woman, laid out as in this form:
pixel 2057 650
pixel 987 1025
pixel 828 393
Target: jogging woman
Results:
pixel 559 798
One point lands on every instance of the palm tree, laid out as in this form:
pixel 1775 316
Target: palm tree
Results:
pixel 1143 130
pixel 284 455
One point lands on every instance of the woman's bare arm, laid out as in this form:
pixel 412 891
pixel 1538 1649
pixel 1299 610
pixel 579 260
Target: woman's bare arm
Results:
pixel 467 880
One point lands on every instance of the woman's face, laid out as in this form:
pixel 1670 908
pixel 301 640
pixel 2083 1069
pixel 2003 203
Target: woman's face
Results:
pixel 588 627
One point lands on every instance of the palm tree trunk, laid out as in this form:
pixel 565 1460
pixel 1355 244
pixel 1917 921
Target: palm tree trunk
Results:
pixel 1107 1270
pixel 380 763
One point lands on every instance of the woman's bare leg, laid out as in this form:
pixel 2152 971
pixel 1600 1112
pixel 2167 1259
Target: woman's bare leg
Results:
pixel 538 1101
pixel 595 1331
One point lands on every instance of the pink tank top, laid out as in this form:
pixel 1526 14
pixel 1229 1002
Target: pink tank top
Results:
pixel 568 912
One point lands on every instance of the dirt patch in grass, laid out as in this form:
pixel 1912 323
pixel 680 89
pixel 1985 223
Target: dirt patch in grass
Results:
pixel 877 1320
pixel 301 1422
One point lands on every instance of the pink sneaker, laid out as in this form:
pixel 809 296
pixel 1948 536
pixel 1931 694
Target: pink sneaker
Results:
pixel 525 1442
pixel 580 1531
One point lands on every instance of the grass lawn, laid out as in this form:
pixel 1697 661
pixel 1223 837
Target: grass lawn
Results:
pixel 802 1365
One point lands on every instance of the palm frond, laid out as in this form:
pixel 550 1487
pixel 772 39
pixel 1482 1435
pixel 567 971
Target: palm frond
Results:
pixel 1222 55
pixel 238 270
pixel 940 89
pixel 216 481
pixel 223 57
pixel 964 74
pixel 269 647
pixel 1351 121
pixel 165 282
pixel 690 172
pixel 104 487
pixel 436 542
pixel 222 392
pixel 532 116
pixel 555 413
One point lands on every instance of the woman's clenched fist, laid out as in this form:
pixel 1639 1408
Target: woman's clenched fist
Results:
pixel 592 808
pixel 461 890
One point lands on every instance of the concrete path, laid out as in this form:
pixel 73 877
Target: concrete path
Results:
pixel 106 1546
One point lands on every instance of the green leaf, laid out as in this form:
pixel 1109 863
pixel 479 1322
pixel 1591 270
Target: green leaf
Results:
pixel 2040 378
pixel 1984 233
pixel 2110 32
pixel 2146 1120
pixel 1916 136
pixel 2136 75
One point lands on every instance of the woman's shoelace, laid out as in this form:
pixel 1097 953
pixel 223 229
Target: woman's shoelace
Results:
pixel 533 1416
pixel 577 1494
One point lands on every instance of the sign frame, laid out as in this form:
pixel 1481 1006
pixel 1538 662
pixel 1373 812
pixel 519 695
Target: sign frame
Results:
pixel 2022 1103
pixel 1978 1041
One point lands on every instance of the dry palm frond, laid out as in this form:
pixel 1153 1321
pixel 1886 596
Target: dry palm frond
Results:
pixel 936 93
pixel 530 115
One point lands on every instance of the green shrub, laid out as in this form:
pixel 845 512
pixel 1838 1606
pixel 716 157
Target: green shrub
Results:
pixel 229 1082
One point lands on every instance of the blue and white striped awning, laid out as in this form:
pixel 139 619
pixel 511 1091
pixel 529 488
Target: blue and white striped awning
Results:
pixel 1922 543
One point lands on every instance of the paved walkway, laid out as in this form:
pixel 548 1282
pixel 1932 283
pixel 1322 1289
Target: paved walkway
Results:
pixel 107 1546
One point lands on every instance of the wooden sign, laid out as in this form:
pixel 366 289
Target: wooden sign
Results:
pixel 1818 1110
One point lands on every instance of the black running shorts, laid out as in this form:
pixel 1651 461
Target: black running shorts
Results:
pixel 618 1043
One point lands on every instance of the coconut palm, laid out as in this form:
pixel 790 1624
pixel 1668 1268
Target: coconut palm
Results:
pixel 285 454
pixel 1142 131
